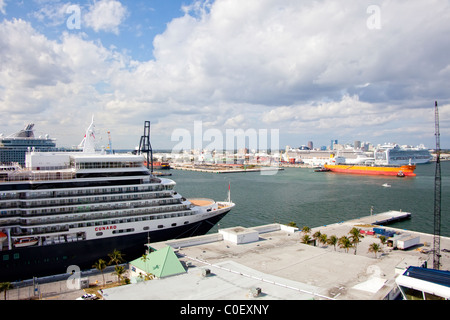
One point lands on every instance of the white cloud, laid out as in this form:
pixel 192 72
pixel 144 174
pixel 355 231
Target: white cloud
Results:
pixel 51 83
pixel 305 67
pixel 52 13
pixel 106 15
pixel 2 6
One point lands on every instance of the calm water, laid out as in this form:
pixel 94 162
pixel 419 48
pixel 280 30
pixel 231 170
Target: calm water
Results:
pixel 314 199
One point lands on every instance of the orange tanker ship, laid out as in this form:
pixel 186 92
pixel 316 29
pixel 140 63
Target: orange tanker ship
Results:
pixel 337 164
pixel 400 171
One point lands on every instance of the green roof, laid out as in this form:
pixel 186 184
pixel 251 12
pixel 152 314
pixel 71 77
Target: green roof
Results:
pixel 161 263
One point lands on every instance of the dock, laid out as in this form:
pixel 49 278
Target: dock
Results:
pixel 273 259
pixel 383 219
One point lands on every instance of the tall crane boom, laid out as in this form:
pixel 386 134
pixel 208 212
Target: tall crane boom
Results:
pixel 437 196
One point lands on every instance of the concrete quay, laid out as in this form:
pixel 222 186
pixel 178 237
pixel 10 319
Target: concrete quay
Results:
pixel 273 259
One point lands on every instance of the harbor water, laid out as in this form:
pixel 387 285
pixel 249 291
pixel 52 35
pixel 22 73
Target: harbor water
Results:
pixel 315 199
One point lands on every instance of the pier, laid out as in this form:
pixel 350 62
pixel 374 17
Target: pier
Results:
pixel 382 219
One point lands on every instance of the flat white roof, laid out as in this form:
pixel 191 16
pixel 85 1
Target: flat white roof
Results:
pixel 228 281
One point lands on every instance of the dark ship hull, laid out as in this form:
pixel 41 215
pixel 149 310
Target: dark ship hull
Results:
pixel 40 261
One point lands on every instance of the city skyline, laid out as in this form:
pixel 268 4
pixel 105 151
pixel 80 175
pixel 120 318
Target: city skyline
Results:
pixel 313 70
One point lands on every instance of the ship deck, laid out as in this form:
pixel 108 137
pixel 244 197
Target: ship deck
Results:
pixel 201 202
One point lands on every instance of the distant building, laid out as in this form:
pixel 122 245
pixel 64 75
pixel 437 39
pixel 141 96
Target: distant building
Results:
pixel 333 143
pixel 310 145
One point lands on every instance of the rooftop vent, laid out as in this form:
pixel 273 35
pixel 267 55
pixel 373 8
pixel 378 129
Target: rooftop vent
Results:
pixel 255 292
pixel 206 273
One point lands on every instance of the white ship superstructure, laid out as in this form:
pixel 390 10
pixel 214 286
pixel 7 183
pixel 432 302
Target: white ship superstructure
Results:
pixel 393 154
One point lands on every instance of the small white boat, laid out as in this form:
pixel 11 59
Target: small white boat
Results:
pixel 386 185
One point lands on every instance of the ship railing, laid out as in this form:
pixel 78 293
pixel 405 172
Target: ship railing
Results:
pixel 99 207
pixel 54 173
pixel 222 205
pixel 96 216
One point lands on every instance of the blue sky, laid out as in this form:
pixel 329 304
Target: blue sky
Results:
pixel 143 20
pixel 314 70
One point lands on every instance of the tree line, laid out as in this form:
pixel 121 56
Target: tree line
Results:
pixel 346 242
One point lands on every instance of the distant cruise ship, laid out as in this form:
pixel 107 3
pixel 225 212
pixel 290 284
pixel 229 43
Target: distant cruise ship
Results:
pixel 14 147
pixel 393 154
pixel 68 208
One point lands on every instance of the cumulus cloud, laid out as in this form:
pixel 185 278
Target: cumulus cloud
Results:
pixel 52 13
pixel 106 15
pixel 2 6
pixel 51 82
pixel 305 67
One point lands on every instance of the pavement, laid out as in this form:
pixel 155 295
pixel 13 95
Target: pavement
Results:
pixel 286 269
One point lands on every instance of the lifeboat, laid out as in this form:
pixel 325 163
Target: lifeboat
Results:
pixel 25 242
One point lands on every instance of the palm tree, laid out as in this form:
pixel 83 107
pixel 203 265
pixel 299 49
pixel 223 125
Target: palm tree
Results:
pixel 306 229
pixel 355 236
pixel 101 265
pixel 345 243
pixel 119 271
pixel 116 257
pixel 383 239
pixel 292 224
pixel 306 239
pixel 316 236
pixel 323 239
pixel 5 286
pixel 333 240
pixel 375 248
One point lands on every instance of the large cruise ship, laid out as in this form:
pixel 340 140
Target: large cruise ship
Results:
pixel 64 209
pixel 393 154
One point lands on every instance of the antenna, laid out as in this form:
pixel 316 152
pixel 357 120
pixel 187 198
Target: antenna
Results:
pixel 437 196
pixel 145 145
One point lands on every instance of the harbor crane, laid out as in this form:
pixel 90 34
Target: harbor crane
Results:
pixel 437 196
pixel 146 147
